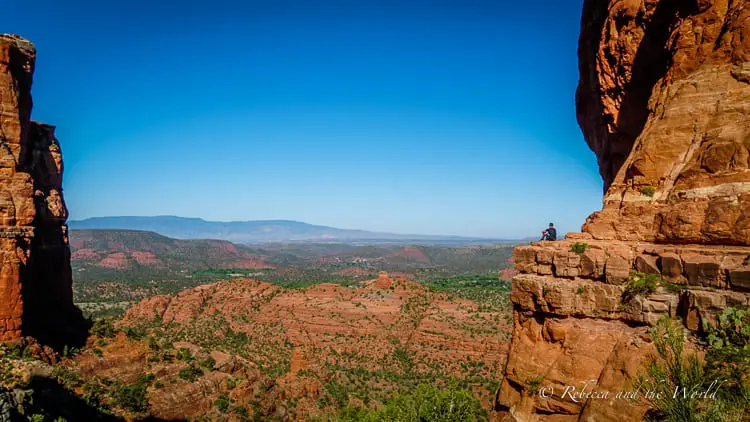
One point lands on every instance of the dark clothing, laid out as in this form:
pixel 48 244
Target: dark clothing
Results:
pixel 550 234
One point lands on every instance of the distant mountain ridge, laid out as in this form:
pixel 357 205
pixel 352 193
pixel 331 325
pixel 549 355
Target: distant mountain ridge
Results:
pixel 112 254
pixel 259 231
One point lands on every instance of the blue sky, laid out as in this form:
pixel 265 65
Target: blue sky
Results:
pixel 401 116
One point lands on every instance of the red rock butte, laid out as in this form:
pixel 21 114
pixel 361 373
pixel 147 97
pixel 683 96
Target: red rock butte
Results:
pixel 36 297
pixel 383 281
pixel 663 100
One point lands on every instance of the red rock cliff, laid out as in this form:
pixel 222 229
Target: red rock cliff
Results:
pixel 664 102
pixel 35 276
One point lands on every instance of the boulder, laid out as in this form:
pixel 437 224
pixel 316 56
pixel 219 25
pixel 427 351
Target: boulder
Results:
pixel 703 271
pixel 739 279
pixel 670 265
pixel 647 264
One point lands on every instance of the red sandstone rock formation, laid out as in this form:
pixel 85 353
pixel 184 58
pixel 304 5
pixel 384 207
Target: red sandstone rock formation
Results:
pixel 317 329
pixel 298 361
pixel 36 296
pixel 383 281
pixel 663 102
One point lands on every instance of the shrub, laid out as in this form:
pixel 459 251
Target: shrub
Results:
pixel 184 354
pixel 232 383
pixel 103 327
pixel 67 377
pixel 191 373
pixel 67 352
pixel 404 358
pixel 533 384
pixel 239 410
pixel 338 393
pixel 146 379
pixel 728 357
pixel 580 290
pixel 673 368
pixel 640 284
pixel 579 247
pixel 153 344
pixel 12 350
pixel 425 403
pixel 93 391
pixel 649 191
pixel 132 397
pixel 669 370
pixel 209 363
pixel 135 333
pixel 672 287
pixel 222 403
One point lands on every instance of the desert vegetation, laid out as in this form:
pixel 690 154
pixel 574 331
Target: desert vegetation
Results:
pixel 695 386
pixel 649 191
pixel 403 362
pixel 113 269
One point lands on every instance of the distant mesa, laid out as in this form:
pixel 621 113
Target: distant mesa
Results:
pixel 264 231
pixel 111 251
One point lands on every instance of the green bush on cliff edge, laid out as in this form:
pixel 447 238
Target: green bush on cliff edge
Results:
pixel 649 191
pixel 641 284
pixel 579 247
pixel 674 367
pixel 426 403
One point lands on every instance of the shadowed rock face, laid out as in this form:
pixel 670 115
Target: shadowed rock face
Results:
pixel 664 102
pixel 35 277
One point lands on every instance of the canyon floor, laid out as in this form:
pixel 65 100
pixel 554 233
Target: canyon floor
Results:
pixel 246 349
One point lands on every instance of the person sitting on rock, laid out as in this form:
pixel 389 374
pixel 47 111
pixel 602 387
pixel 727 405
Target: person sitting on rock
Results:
pixel 550 233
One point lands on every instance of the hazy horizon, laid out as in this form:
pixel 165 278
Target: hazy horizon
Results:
pixel 290 221
pixel 398 117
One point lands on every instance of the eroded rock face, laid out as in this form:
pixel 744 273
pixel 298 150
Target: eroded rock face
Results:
pixel 36 297
pixel 576 325
pixel 664 102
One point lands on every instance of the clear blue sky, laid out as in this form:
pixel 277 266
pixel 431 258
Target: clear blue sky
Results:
pixel 401 116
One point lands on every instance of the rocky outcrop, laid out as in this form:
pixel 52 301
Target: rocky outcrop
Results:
pixel 35 276
pixel 575 322
pixel 663 101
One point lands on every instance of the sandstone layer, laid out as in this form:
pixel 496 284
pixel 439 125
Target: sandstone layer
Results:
pixel 35 277
pixel 574 322
pixel 664 102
